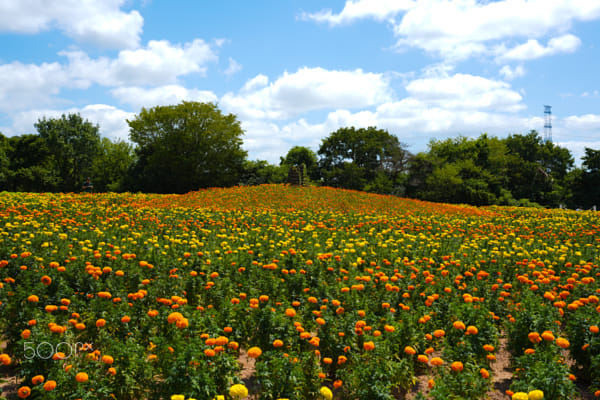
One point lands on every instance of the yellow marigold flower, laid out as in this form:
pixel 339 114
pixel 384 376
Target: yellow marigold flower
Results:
pixel 536 395
pixel 520 396
pixel 326 393
pixel 178 397
pixel 238 391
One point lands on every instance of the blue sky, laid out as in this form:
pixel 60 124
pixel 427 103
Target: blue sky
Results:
pixel 295 71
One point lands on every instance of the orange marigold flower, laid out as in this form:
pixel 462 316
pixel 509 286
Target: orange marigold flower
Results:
pixel 472 330
pixel 277 343
pixel 33 298
pixel 459 325
pixel 488 347
pixel 290 312
pixel 484 373
pixel 50 386
pixel 389 328
pixel 254 352
pixel 534 337
pixel 410 350
pixel 562 343
pixel 423 358
pixel 438 333
pixel 209 352
pixel 548 336
pixel 106 359
pixel 457 366
pixel 81 377
pixel 46 280
pixel 5 359
pixel 24 392
pixel 100 322
pixel 36 380
pixel 436 361
pixel 26 334
pixel 125 319
pixel 112 371
pixel 594 329
pixel 368 345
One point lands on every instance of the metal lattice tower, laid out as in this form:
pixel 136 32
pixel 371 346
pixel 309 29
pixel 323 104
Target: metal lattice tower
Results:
pixel 548 123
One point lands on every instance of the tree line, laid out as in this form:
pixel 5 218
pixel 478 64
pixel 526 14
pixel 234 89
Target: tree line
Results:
pixel 189 146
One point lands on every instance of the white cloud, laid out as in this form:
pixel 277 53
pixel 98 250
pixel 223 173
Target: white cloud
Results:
pixel 459 29
pixel 532 49
pixel 465 92
pixel 233 67
pixel 305 90
pixel 112 121
pixel 512 73
pixel 164 95
pixel 583 122
pixel 159 63
pixel 102 23
pixel 353 10
pixel 26 85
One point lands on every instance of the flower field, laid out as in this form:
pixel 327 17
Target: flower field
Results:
pixel 133 296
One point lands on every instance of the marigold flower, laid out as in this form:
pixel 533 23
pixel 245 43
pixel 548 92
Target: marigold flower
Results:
pixel 81 377
pixel 536 395
pixel 368 345
pixel 209 352
pixel 520 396
pixel 106 359
pixel 484 373
pixel 238 391
pixel 337 383
pixel 534 337
pixel 410 350
pixel 488 347
pixel 438 333
pixel 436 361
pixel 562 343
pixel 423 358
pixel 459 325
pixel 326 393
pixel 177 397
pixel 277 343
pixel 290 312
pixel 472 330
pixel 254 352
pixel 24 392
pixel 33 298
pixel 36 380
pixel 457 366
pixel 548 336
pixel 50 386
pixel 46 280
pixel 125 319
pixel 5 359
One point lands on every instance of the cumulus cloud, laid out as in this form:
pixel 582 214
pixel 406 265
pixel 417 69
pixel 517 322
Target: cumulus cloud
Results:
pixel 111 120
pixel 26 85
pixel 532 49
pixel 512 73
pixel 353 10
pixel 160 62
pixel 233 67
pixel 457 30
pixel 139 97
pixel 305 90
pixel 101 23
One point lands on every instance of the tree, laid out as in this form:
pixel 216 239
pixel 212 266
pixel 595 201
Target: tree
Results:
pixel 73 144
pixel 185 147
pixel 259 172
pixel 303 157
pixel 585 182
pixel 112 165
pixel 4 162
pixel 364 159
pixel 31 167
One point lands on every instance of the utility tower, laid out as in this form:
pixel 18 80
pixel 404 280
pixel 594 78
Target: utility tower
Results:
pixel 548 124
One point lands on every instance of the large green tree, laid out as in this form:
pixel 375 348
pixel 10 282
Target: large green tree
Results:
pixel 31 165
pixel 111 166
pixel 304 158
pixel 73 144
pixel 585 181
pixel 185 147
pixel 368 159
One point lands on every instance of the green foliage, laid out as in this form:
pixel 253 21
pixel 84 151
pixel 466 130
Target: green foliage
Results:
pixel 112 165
pixel 185 147
pixel 302 156
pixel 363 159
pixel 259 172
pixel 73 145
